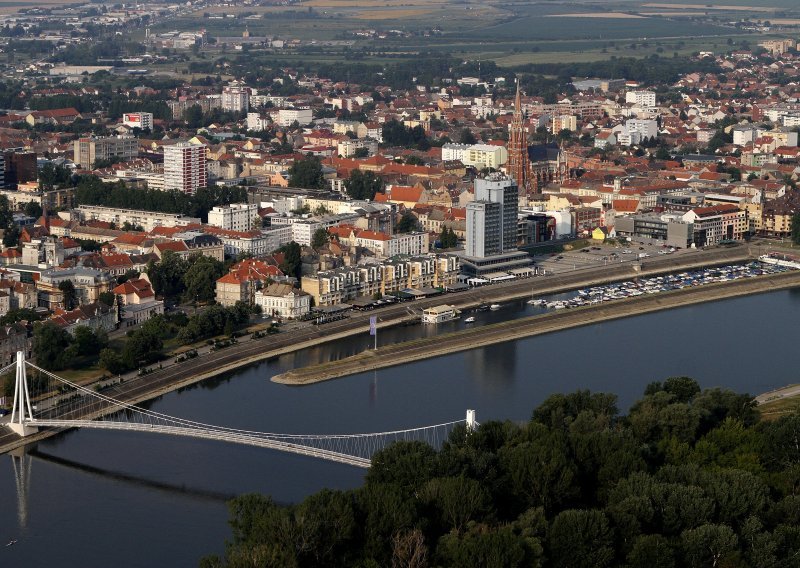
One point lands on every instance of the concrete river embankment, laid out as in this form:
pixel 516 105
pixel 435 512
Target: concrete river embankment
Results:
pixel 446 344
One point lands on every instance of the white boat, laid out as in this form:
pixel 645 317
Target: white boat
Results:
pixel 470 319
pixel 439 314
pixel 494 307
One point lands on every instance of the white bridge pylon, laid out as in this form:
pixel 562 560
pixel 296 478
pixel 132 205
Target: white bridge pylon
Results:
pixel 21 413
pixel 67 405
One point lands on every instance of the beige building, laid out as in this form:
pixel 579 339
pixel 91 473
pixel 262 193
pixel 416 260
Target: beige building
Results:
pixel 87 151
pixel 485 156
pixel 778 46
pixel 564 122
pixel 283 301
pixel 89 284
pixel 337 286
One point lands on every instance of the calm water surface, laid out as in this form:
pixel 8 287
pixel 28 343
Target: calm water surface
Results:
pixel 94 498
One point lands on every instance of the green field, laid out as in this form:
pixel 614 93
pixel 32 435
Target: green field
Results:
pixel 511 33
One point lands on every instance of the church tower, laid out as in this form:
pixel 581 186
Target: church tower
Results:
pixel 518 148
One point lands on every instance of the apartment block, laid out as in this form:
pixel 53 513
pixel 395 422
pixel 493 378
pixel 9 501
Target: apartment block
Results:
pixel 87 151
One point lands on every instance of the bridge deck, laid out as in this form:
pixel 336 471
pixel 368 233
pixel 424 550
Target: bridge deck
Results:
pixel 209 434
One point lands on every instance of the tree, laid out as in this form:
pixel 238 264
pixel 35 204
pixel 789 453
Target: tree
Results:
pixel 466 137
pixel 200 279
pixel 319 239
pixel 6 215
pixel 193 116
pixel 653 551
pixel 580 538
pixel 307 173
pixel 448 238
pixel 292 262
pixel 361 153
pixel 107 298
pixel 88 341
pixel 363 185
pixel 111 361
pixel 11 237
pixel 795 228
pixel 33 209
pixel 481 546
pixel 408 223
pixel 408 465
pixel 708 545
pixel 144 345
pixel 69 296
pixel 50 345
pixel 13 316
pixel 457 499
pixel 540 472
pixel 167 275
pixel 409 550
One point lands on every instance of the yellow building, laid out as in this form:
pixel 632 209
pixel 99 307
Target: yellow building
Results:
pixel 600 234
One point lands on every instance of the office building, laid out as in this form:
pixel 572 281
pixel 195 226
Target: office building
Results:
pixel 492 228
pixel 501 190
pixel 185 167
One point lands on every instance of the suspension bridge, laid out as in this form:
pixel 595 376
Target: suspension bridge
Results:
pixel 50 401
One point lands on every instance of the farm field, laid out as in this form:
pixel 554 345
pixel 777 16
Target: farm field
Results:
pixel 508 32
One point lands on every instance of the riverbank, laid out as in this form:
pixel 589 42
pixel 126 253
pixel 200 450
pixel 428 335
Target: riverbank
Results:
pixel 210 365
pixel 446 344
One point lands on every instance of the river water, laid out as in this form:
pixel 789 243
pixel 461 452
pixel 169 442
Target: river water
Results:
pixel 95 498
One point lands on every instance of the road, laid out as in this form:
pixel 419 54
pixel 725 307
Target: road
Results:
pixel 173 376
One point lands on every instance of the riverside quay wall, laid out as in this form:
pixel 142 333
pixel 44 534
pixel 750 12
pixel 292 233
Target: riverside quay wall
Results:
pixel 482 336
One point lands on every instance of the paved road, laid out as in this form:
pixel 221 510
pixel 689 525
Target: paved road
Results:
pixel 166 379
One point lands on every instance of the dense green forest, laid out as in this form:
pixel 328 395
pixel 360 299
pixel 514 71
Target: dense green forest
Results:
pixel 687 478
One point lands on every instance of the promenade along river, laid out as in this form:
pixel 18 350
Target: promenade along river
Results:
pixel 94 498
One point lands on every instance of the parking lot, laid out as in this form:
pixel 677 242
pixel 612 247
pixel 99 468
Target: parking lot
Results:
pixel 595 254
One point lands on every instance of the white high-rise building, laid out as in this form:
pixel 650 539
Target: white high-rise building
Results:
pixel 185 167
pixel 492 217
pixel 236 98
pixel 301 115
pixel 641 98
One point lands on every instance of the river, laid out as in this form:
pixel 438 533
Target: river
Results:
pixel 96 498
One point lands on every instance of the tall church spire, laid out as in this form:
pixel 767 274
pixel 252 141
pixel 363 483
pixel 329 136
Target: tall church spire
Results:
pixel 518 146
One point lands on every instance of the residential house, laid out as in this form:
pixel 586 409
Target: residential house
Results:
pixel 138 301
pixel 283 301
